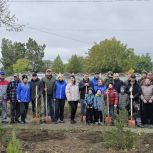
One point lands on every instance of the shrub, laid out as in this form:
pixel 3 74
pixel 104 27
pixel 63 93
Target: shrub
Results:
pixel 118 138
pixel 14 145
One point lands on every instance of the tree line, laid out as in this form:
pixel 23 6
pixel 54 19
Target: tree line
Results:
pixel 109 54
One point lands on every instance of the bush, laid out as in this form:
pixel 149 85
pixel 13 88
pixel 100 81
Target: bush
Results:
pixel 14 145
pixel 118 138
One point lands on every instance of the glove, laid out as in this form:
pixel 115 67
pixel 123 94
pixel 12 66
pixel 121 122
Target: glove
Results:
pixel 130 89
pixel 131 96
pixel 19 101
pixel 145 101
pixel 150 101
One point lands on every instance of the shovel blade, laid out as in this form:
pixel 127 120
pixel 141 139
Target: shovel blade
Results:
pixel 131 123
pixel 108 120
pixel 48 120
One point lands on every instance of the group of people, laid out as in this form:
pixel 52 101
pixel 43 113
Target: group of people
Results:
pixel 93 95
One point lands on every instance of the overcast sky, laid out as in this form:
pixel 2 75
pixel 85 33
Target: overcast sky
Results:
pixel 69 28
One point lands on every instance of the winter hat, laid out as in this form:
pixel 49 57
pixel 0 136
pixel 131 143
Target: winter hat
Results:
pixel 48 70
pixel 133 76
pixel 90 89
pixel 24 77
pixel 2 72
pixel 34 74
pixel 110 74
pixel 16 75
pixel 144 72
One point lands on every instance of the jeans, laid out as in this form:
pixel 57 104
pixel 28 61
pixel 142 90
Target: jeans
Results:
pixel 73 105
pixel 15 110
pixel 3 105
pixel 111 111
pixel 98 116
pixel 38 107
pixel 59 109
pixel 50 107
pixel 89 115
pixel 23 110
pixel 83 107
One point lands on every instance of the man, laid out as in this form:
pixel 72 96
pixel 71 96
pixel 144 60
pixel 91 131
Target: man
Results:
pixel 83 87
pixel 35 82
pixel 48 86
pixel 109 78
pixel 95 79
pixel 3 96
pixel 150 76
pixel 11 95
pixel 135 89
pixel 142 79
pixel 117 82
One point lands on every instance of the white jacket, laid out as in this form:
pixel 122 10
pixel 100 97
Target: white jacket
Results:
pixel 72 92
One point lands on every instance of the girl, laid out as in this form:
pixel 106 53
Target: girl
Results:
pixel 73 96
pixel 98 106
pixel 89 102
pixel 23 97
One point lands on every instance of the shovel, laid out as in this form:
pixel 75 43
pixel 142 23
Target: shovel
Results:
pixel 47 118
pixel 84 116
pixel 36 119
pixel 131 122
pixel 108 118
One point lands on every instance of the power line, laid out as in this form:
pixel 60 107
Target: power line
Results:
pixel 57 35
pixel 74 1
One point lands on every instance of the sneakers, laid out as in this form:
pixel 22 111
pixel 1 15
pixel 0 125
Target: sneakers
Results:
pixel 73 121
pixel 100 123
pixel 61 121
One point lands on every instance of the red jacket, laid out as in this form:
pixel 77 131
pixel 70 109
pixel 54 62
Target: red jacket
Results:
pixel 112 96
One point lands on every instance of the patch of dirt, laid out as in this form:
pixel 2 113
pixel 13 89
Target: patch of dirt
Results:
pixel 38 136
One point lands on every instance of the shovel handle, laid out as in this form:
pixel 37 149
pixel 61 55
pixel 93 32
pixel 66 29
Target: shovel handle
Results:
pixel 107 103
pixel 36 99
pixel 46 101
pixel 131 105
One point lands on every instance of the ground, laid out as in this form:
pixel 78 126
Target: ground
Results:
pixel 68 138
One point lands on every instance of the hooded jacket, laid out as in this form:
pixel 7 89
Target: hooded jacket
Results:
pixel 89 100
pixel 98 102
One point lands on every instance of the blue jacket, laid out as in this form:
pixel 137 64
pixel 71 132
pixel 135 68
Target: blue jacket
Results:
pixel 98 102
pixel 102 88
pixel 23 92
pixel 89 100
pixel 60 89
pixel 94 82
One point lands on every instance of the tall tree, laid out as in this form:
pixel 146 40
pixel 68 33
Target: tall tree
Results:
pixel 58 65
pixel 75 64
pixel 7 19
pixel 110 55
pixel 35 54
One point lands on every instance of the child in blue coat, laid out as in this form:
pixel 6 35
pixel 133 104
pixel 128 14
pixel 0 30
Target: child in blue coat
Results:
pixel 89 103
pixel 98 106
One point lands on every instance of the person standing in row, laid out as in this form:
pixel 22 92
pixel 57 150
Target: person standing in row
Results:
pixel 3 96
pixel 60 96
pixel 12 97
pixel 147 99
pixel 48 85
pixel 95 80
pixel 84 85
pixel 23 97
pixel 73 97
pixel 36 83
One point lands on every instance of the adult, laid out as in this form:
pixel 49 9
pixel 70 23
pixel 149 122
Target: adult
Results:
pixel 95 79
pixel 23 97
pixel 84 85
pixel 11 95
pixel 150 76
pixel 73 97
pixel 48 84
pixel 141 81
pixel 60 96
pixel 109 78
pixel 134 91
pixel 36 83
pixel 117 82
pixel 3 96
pixel 100 86
pixel 147 99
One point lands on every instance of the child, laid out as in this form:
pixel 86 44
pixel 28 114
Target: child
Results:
pixel 112 99
pixel 89 102
pixel 123 98
pixel 98 106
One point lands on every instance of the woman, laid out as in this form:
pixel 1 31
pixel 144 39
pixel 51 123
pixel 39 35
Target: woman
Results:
pixel 60 96
pixel 23 97
pixel 147 99
pixel 73 96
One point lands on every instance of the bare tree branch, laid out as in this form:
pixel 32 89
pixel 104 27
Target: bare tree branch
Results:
pixel 7 19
